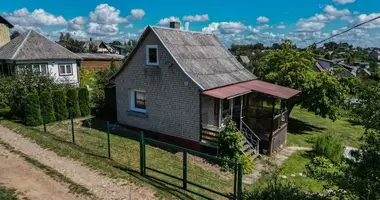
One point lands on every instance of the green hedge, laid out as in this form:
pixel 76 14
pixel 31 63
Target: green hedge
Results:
pixel 330 147
pixel 60 109
pixel 72 103
pixel 84 102
pixel 32 110
pixel 47 108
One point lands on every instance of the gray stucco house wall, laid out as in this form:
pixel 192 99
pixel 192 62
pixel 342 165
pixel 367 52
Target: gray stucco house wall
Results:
pixel 172 98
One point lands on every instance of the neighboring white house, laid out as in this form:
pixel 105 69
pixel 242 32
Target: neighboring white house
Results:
pixel 33 51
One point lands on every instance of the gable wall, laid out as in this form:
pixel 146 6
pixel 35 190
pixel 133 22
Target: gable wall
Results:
pixel 172 99
pixel 4 34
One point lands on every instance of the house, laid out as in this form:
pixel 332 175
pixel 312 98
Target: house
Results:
pixel 375 54
pixel 328 65
pixel 120 49
pixel 179 86
pixel 4 31
pixel 99 61
pixel 33 51
pixel 96 46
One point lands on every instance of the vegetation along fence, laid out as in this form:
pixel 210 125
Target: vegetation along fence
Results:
pixel 190 177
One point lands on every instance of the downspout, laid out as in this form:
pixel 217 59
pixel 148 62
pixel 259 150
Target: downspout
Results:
pixel 200 116
pixel 272 124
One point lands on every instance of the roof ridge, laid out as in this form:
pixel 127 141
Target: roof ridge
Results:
pixel 22 44
pixel 167 28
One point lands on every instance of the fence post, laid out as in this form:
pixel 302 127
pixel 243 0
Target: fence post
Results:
pixel 240 181
pixel 184 171
pixel 72 128
pixel 142 154
pixel 108 140
pixel 235 179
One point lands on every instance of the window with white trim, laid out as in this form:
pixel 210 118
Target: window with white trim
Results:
pixel 65 69
pixel 138 101
pixel 152 55
pixel 40 68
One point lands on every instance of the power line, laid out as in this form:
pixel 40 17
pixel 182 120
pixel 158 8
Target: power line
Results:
pixel 347 30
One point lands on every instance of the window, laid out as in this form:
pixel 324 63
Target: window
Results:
pixel 151 54
pixel 40 68
pixel 138 101
pixel 65 69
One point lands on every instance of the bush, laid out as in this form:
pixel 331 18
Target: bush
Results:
pixel 248 164
pixel 329 147
pixel 230 140
pixel 84 102
pixel 47 108
pixel 32 110
pixel 60 109
pixel 72 103
pixel 320 168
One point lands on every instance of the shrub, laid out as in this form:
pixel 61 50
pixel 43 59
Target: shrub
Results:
pixel 230 140
pixel 319 168
pixel 72 103
pixel 47 108
pixel 60 109
pixel 248 164
pixel 84 102
pixel 32 110
pixel 329 147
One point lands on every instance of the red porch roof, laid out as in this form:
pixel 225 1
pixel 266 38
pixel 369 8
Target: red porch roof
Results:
pixel 249 86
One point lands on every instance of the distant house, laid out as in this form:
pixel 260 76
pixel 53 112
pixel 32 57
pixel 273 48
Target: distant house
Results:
pixel 120 49
pixel 179 86
pixel 244 59
pixel 4 31
pixel 96 46
pixel 33 51
pixel 98 61
pixel 328 65
pixel 375 54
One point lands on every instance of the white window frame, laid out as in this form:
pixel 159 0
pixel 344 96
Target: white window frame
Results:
pixel 147 54
pixel 40 67
pixel 132 101
pixel 65 64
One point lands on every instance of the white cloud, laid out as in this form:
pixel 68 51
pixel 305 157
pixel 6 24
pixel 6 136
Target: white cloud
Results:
pixel 196 18
pixel 77 34
pixel 334 12
pixel 342 2
pixel 318 18
pixel 102 29
pixel 364 17
pixel 281 27
pixel 137 14
pixel 225 27
pixel 106 14
pixel 262 19
pixel 187 26
pixel 39 17
pixel 264 27
pixel 309 26
pixel 167 20
pixel 77 22
pixel 129 26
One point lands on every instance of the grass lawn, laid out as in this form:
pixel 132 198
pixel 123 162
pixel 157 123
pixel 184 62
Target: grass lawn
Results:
pixel 9 193
pixel 305 126
pixel 91 149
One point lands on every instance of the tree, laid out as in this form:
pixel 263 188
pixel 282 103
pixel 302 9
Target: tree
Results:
pixel 289 67
pixel 331 46
pixel 60 108
pixel 73 103
pixel 115 42
pixel 259 46
pixel 32 110
pixel 72 44
pixel 276 46
pixel 47 108
pixel 14 35
pixel 84 102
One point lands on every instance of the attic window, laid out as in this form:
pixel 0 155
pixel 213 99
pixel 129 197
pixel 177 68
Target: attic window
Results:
pixel 152 55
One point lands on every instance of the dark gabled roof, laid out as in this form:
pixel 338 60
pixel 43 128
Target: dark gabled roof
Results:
pixel 201 56
pixel 34 46
pixel 4 21
pixel 119 46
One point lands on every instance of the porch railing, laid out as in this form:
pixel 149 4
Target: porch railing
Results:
pixel 251 138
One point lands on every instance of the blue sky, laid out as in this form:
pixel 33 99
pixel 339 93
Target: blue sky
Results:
pixel 242 21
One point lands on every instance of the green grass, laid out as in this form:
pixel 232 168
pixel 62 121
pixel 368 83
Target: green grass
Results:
pixel 305 126
pixel 9 194
pixel 91 149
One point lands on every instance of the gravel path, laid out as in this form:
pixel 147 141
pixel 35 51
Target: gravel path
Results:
pixel 101 186
pixel 28 179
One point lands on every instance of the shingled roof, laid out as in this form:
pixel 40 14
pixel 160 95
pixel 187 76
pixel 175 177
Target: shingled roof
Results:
pixel 201 56
pixel 34 46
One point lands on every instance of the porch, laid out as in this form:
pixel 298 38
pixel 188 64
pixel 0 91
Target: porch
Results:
pixel 259 110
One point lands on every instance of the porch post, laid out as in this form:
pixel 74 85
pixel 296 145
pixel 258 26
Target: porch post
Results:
pixel 241 112
pixel 272 124
pixel 231 107
pixel 220 112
